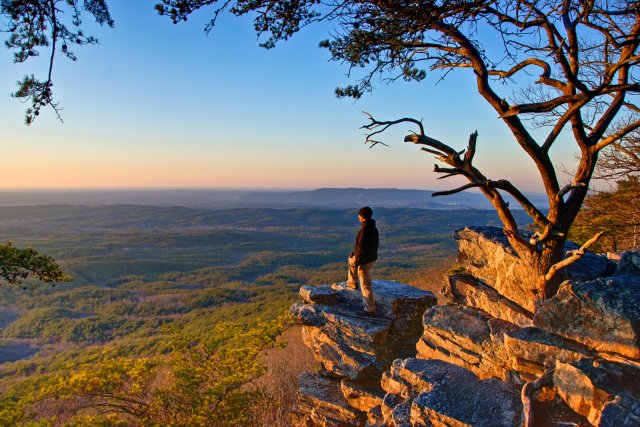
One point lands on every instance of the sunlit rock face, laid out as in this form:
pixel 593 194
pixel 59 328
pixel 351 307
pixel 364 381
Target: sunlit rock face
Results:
pixel 363 395
pixel 493 348
pixel 489 357
pixel 321 403
pixel 603 314
pixel 431 392
pixel 605 392
pixel 360 347
pixel 466 290
pixel 486 253
pixel 465 337
pixel 354 350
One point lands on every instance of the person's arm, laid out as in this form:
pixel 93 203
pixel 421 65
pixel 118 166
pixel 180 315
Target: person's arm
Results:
pixel 358 247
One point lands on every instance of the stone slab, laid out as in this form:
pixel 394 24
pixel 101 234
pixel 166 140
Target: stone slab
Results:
pixel 603 314
pixel 466 337
pixel 542 349
pixel 323 294
pixel 362 395
pixel 603 391
pixel 444 394
pixel 350 344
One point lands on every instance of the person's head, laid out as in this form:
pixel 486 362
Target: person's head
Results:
pixel 365 213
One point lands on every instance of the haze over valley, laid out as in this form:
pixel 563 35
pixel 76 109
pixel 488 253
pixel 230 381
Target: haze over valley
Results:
pixel 229 198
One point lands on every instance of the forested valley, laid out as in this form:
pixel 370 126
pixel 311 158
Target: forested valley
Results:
pixel 172 309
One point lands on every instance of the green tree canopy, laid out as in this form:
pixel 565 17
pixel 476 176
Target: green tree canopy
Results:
pixel 203 381
pixel 17 265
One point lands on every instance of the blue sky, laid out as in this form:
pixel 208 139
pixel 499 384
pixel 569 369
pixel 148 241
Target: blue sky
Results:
pixel 160 105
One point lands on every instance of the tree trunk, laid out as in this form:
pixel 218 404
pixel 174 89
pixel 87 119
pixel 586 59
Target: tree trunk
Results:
pixel 537 264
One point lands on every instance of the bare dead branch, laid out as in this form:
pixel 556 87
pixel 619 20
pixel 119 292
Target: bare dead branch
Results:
pixel 426 140
pixel 528 395
pixel 526 204
pixel 438 169
pixel 387 124
pixel 575 256
pixel 546 69
pixel 430 151
pixel 545 76
pixel 568 188
pixel 632 107
pixel 449 175
pixel 454 191
pixel 561 122
pixel 471 148
pixel 617 135
pixel 461 164
pixel 540 237
pixel 542 107
pixel 375 142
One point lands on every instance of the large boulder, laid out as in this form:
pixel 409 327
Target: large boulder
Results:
pixel 486 253
pixel 359 347
pixel 431 392
pixel 342 355
pixel 607 393
pixel 603 314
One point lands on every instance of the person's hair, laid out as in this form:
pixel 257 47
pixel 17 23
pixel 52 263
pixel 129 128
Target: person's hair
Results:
pixel 366 212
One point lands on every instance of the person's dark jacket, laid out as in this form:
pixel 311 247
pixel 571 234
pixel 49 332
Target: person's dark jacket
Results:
pixel 366 248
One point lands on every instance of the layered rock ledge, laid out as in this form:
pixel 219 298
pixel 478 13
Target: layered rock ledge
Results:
pixel 354 350
pixel 603 313
pixel 495 355
pixel 606 393
pixel 431 392
pixel 361 347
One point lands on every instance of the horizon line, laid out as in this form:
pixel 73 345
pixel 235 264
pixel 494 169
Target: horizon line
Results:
pixel 187 188
pixel 207 188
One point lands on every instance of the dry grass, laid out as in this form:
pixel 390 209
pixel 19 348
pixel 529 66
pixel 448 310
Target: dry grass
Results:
pixel 432 279
pixel 281 380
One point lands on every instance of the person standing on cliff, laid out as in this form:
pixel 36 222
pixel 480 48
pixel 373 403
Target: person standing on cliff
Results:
pixel 361 260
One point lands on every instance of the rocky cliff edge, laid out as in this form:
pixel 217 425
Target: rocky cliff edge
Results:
pixel 487 358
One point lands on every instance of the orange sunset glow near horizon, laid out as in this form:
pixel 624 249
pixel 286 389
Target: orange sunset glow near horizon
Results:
pixel 169 107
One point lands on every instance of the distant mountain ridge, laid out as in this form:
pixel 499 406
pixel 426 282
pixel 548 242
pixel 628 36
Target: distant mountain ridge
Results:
pixel 226 199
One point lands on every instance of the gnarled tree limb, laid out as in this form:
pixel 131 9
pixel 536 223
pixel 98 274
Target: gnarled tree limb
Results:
pixel 455 190
pixel 575 256
pixel 529 393
pixel 461 163
pixel 564 190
